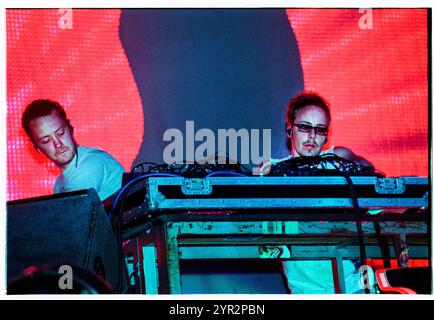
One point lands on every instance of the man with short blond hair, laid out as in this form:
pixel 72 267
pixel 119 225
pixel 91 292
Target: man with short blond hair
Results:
pixel 51 133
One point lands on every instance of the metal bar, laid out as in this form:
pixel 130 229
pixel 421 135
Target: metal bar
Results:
pixel 324 180
pixel 340 273
pixel 138 258
pixel 295 203
pixel 297 252
pixel 150 268
pixel 348 252
pixel 172 253
pixel 159 234
pixel 302 227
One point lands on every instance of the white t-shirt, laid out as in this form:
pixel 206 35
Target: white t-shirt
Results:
pixel 315 276
pixel 91 168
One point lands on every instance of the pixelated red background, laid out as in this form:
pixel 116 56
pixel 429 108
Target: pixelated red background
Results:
pixel 375 79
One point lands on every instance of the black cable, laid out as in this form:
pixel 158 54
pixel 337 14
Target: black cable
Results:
pixel 358 213
pixel 194 170
pixel 122 195
pixel 187 170
pixel 317 166
pixel 142 165
pixel 382 243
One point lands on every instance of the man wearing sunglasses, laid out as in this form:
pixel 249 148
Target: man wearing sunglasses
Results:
pixel 307 128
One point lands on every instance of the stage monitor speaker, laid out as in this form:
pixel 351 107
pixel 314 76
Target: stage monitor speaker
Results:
pixel 64 229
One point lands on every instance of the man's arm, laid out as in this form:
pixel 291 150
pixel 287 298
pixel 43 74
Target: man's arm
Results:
pixel 351 156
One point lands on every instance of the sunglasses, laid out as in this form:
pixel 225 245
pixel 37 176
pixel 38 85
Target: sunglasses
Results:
pixel 302 127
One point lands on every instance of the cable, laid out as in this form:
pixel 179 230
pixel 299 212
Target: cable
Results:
pixel 122 194
pixel 187 170
pixel 319 166
pixel 329 165
pixel 143 164
pixel 125 188
pixel 225 173
pixel 196 170
pixel 358 213
pixel 382 243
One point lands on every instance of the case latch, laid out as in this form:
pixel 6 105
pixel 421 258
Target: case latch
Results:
pixel 389 186
pixel 196 186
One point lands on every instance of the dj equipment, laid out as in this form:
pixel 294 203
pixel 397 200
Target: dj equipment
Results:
pixel 192 170
pixel 166 219
pixel 253 193
pixel 65 229
pixel 327 164
pixel 173 219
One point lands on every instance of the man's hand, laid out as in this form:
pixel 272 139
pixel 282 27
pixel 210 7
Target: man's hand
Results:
pixel 351 156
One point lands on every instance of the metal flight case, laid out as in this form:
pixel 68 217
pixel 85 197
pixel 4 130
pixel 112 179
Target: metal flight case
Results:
pixel 180 193
pixel 284 218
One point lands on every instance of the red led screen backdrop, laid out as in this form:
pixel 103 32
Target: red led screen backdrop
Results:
pixel 84 67
pixel 374 77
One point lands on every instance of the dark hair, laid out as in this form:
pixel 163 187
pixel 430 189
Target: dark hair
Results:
pixel 41 108
pixel 303 99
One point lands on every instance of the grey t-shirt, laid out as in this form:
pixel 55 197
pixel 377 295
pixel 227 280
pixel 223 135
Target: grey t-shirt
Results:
pixel 91 168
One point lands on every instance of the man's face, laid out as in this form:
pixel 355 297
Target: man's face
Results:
pixel 308 144
pixel 53 136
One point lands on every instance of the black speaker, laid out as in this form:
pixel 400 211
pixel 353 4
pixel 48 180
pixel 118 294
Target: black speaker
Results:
pixel 64 229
